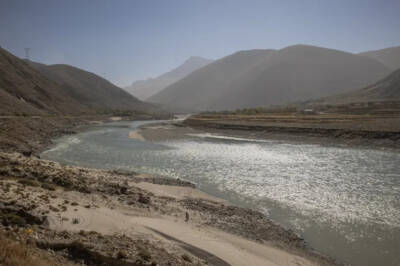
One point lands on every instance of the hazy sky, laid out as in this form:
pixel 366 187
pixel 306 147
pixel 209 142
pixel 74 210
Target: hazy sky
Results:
pixel 129 40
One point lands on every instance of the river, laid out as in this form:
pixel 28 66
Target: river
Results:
pixel 344 201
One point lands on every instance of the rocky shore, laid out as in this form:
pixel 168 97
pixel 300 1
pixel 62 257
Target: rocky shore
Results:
pixel 65 215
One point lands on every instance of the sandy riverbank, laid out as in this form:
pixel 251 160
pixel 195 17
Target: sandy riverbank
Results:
pixel 163 131
pixel 64 205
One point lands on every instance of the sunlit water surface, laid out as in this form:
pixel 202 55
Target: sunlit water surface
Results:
pixel 344 201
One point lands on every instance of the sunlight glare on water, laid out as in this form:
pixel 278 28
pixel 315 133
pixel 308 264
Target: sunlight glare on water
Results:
pixel 344 201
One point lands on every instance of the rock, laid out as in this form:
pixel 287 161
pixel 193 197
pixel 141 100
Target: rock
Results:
pixel 121 254
pixel 17 215
pixel 123 190
pixel 27 153
pixel 54 209
pixel 144 199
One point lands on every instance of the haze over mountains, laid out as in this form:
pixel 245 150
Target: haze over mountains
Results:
pixel 386 89
pixel 36 89
pixel 390 57
pixel 270 77
pixel 244 79
pixel 143 89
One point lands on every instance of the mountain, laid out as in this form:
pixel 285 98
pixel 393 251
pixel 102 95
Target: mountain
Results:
pixel 23 90
pixel 269 77
pixel 199 89
pixel 32 88
pixel 89 89
pixel 390 57
pixel 143 89
pixel 387 89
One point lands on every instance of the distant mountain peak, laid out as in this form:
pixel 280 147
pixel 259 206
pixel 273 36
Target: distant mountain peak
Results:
pixel 196 59
pixel 143 89
pixel 191 64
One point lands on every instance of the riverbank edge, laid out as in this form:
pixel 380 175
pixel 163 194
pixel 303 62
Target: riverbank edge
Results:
pixel 32 135
pixel 82 124
pixel 318 135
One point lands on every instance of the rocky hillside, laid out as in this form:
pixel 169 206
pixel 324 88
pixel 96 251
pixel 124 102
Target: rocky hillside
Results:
pixel 91 90
pixel 270 77
pixel 23 90
pixel 29 88
pixel 143 89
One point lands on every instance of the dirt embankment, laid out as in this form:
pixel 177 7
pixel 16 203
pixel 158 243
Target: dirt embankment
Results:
pixel 30 134
pixel 380 131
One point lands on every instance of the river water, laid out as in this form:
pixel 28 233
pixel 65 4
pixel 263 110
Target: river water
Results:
pixel 344 201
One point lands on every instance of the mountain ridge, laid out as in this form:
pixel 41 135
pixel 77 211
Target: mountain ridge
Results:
pixel 24 91
pixel 255 78
pixel 89 88
pixel 30 88
pixel 390 56
pixel 143 89
pixel 386 89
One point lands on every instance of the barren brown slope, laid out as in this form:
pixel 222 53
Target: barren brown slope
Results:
pixel 387 89
pixel 92 90
pixel 263 78
pixel 390 57
pixel 23 90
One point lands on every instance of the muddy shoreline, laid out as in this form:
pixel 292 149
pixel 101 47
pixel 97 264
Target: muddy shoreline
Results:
pixel 64 209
